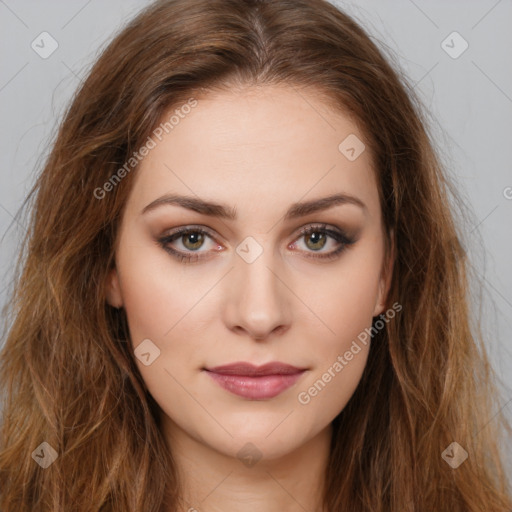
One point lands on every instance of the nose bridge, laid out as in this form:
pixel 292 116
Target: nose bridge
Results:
pixel 259 303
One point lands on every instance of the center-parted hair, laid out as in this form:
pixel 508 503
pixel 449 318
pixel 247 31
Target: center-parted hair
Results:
pixel 67 371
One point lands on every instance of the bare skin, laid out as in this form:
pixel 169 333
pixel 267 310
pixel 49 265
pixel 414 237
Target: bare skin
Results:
pixel 257 151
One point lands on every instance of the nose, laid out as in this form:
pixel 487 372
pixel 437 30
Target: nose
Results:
pixel 259 301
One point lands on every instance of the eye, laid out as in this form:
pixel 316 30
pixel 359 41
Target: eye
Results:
pixel 316 238
pixel 191 239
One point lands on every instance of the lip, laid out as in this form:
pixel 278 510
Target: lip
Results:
pixel 255 382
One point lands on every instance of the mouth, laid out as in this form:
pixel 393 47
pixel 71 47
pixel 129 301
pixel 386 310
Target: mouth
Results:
pixel 255 382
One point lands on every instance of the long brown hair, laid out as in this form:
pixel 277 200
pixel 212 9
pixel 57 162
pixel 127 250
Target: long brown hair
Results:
pixel 67 370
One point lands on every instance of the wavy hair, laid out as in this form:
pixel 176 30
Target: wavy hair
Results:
pixel 67 372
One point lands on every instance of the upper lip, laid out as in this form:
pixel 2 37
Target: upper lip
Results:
pixel 242 368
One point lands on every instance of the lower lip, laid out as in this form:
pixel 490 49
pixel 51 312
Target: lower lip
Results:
pixel 255 388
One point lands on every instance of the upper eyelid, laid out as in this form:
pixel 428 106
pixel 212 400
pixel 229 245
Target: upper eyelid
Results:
pixel 181 231
pixel 193 227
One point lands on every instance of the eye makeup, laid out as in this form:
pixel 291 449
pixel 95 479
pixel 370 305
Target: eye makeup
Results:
pixel 312 234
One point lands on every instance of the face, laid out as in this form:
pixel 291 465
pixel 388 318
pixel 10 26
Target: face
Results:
pixel 244 283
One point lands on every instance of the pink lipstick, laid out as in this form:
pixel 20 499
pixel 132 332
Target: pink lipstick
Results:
pixel 255 382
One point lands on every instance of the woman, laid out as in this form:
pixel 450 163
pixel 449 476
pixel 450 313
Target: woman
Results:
pixel 243 287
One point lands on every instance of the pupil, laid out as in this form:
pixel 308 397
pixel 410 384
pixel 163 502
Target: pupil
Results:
pixel 195 240
pixel 319 238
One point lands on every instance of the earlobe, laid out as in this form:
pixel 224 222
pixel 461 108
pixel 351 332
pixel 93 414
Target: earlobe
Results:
pixel 113 290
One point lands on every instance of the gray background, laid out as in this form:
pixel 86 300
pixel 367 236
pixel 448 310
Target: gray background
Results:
pixel 469 99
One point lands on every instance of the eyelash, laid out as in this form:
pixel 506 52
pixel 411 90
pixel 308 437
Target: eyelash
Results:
pixel 339 237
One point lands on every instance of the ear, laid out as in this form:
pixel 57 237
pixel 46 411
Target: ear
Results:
pixel 113 290
pixel 385 279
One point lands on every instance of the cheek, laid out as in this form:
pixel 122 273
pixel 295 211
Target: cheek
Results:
pixel 325 394
pixel 344 298
pixel 170 307
pixel 345 303
pixel 339 356
pixel 156 296
pixel 159 303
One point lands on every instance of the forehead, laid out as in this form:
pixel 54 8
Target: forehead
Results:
pixel 257 143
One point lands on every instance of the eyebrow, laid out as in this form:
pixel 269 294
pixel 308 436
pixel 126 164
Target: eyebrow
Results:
pixel 211 209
